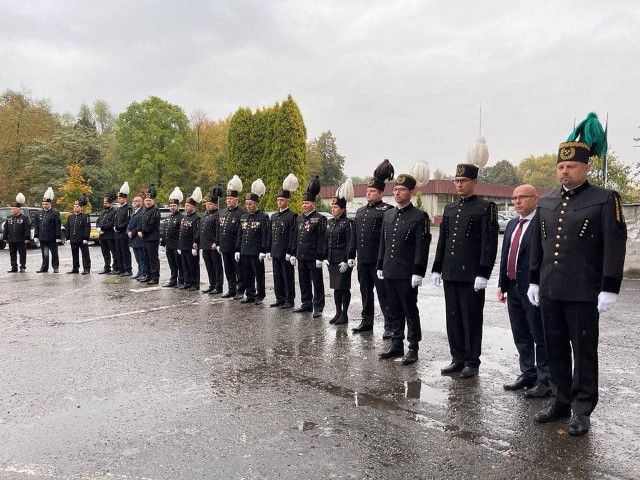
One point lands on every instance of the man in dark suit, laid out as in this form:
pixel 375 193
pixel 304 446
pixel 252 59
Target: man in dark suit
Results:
pixel 578 247
pixel 513 283
pixel 149 232
pixel 48 230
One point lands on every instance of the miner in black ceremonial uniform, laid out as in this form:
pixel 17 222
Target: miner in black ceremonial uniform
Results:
pixel 17 233
pixel 336 246
pixel 48 230
pixel 78 229
pixel 307 251
pixel 169 240
pixel 187 244
pixel 402 263
pixel 149 232
pixel 105 224
pixel 123 215
pixel 228 237
pixel 577 258
pixel 251 246
pixel 364 245
pixel 206 239
pixel 279 244
pixel 465 256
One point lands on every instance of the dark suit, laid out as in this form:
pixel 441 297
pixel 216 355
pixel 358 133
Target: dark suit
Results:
pixel 121 239
pixel 307 247
pixel 150 228
pixel 48 230
pixel 280 238
pixel 578 247
pixel 206 237
pixel 16 231
pixel 526 321
pixel 467 248
pixel 78 229
pixel 105 222
pixel 136 243
pixel 229 224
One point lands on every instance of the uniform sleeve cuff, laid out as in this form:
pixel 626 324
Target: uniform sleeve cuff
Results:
pixel 534 277
pixel 484 271
pixel 610 284
pixel 419 270
pixel 437 267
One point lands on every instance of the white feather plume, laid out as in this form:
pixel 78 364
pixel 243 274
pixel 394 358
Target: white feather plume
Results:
pixel 49 193
pixel 197 195
pixel 479 153
pixel 258 187
pixel 290 183
pixel 20 198
pixel 125 188
pixel 177 194
pixel 346 190
pixel 235 184
pixel 420 171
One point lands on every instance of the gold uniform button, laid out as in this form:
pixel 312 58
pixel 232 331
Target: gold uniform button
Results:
pixel 555 262
pixel 561 212
pixel 558 237
pixel 557 245
pixel 564 204
pixel 560 220
pixel 559 228
pixel 556 253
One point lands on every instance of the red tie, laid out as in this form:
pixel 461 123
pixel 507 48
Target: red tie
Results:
pixel 513 253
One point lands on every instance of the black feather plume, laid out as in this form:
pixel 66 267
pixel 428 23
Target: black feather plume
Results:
pixel 110 196
pixel 152 191
pixel 384 171
pixel 83 200
pixel 217 191
pixel 314 186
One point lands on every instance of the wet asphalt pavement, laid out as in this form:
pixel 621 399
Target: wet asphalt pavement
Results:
pixel 101 377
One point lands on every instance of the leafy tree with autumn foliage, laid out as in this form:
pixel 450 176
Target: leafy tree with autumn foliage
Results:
pixel 539 171
pixel 73 189
pixel 210 149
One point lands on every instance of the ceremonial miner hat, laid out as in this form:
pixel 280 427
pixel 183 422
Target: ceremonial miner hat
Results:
pixel 196 197
pixel 381 174
pixel 110 196
pixel 344 194
pixel 124 190
pixel 216 193
pixel 313 189
pixel 234 186
pixel 82 201
pixel 586 140
pixel 48 195
pixel 467 170
pixel 151 192
pixel 289 184
pixel 257 190
pixel 19 200
pixel 176 197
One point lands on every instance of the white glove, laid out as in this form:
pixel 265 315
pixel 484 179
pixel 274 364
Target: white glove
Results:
pixel 194 252
pixel 326 262
pixel 287 257
pixel 262 256
pixel 85 242
pixel 351 262
pixel 606 301
pixel 237 256
pixel 480 283
pixel 99 230
pixel 416 281
pixel 380 275
pixel 115 229
pixel 268 257
pixel 179 252
pixel 318 263
pixel 292 260
pixel 436 278
pixel 534 294
pixel 343 267
pixel 162 249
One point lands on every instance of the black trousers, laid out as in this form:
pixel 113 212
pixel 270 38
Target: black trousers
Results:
pixel 283 280
pixel 572 327
pixel 108 247
pixel 213 264
pixel 368 279
pixel 233 272
pixel 464 321
pixel 76 248
pixel 139 254
pixel 191 268
pixel 123 254
pixel 528 335
pixel 253 275
pixel 403 308
pixel 175 265
pixel 151 247
pixel 16 248
pixel 47 247
pixel 309 275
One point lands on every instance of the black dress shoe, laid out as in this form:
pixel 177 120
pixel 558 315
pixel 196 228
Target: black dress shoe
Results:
pixel 393 352
pixel 207 290
pixel 193 288
pixel 469 372
pixel 302 309
pixel 452 368
pixel 248 300
pixel 215 291
pixel 85 272
pixel 22 269
pixel 170 284
pixel 551 414
pixel 342 320
pixel 137 275
pixel 73 271
pixel 410 357
pixel 317 314
pixel 229 295
pixel 387 334
pixel 239 296
pixel 276 304
pixel 115 272
pixel 520 383
pixel 258 301
pixel 335 318
pixel 184 287
pixel 13 270
pixel 363 327
pixel 55 270
pixel 153 281
pixel 142 279
pixel 286 305
pixel 42 270
pixel 579 424
pixel 539 390
pixel 104 272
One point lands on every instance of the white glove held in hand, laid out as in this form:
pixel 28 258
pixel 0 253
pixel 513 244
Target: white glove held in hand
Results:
pixel 99 230
pixel 416 281
pixel 237 256
pixel 436 278
pixel 351 262
pixel 318 263
pixel 287 257
pixel 268 257
pixel 194 252
pixel 292 260
pixel 86 242
pixel 534 294
pixel 326 262
pixel 480 283
pixel 606 301
pixel 380 274
pixel 262 256
pixel 343 267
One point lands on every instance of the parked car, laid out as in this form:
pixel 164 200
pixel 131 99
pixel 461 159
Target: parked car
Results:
pixel 502 222
pixel 32 213
pixel 94 236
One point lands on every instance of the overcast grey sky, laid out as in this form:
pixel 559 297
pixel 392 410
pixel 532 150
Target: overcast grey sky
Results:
pixel 399 79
